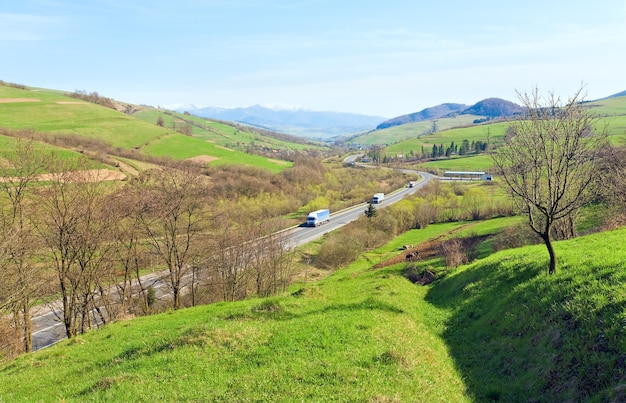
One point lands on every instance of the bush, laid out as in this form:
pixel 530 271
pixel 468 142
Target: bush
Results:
pixel 338 251
pixel 458 251
pixel 515 236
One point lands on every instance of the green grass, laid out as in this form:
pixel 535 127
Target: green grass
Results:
pixel 398 133
pixel 51 115
pixel 9 143
pixel 518 334
pixel 480 162
pixel 179 146
pixel 54 113
pixel 498 329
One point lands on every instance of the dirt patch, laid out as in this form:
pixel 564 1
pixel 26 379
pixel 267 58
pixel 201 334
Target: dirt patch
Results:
pixel 202 159
pixel 125 168
pixel 93 175
pixel 280 162
pixel 425 251
pixel 224 148
pixel 11 100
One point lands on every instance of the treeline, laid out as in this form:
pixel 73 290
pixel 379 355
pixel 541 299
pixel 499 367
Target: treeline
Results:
pixel 435 152
pixel 211 232
pixel 92 97
pixel 13 85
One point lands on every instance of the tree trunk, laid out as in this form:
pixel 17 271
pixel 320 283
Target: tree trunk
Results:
pixel 547 239
pixel 28 331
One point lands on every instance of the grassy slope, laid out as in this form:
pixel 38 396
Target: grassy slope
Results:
pixel 51 115
pixel 496 329
pixel 517 334
pixel 402 132
pixel 57 114
pixel 179 146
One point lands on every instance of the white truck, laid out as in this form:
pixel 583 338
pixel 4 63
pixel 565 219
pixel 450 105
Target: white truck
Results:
pixel 318 217
pixel 378 198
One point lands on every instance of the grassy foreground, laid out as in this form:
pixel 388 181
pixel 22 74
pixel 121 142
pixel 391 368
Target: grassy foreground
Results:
pixel 498 329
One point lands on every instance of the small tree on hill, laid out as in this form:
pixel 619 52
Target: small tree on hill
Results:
pixel 551 162
pixel 371 211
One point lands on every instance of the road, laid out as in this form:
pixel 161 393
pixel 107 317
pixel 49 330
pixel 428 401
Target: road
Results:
pixel 48 327
pixel 302 235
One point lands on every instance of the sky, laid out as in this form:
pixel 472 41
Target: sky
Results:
pixel 381 58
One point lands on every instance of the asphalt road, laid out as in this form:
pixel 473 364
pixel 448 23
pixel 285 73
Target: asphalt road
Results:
pixel 302 235
pixel 48 327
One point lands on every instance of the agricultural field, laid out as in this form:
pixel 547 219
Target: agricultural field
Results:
pixel 181 147
pixel 51 113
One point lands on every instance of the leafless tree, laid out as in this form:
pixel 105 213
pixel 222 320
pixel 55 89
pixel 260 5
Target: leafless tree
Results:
pixel 71 225
pixel 20 276
pixel 130 254
pixel 551 161
pixel 173 215
pixel 271 259
pixel 229 259
pixel 616 187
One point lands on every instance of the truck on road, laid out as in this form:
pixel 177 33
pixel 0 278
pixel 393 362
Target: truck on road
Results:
pixel 317 218
pixel 378 198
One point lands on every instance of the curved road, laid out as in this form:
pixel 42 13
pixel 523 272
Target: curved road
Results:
pixel 48 328
pixel 302 235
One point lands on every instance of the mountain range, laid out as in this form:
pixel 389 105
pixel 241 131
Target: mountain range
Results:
pixel 325 125
pixel 293 120
pixel 489 108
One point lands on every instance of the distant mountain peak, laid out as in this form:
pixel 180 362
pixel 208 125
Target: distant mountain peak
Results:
pixel 493 108
pixel 277 106
pixel 291 119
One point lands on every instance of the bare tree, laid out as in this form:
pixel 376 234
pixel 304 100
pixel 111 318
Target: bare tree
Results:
pixel 551 161
pixel 173 216
pixel 229 260
pixel 271 259
pixel 19 273
pixel 129 251
pixel 72 228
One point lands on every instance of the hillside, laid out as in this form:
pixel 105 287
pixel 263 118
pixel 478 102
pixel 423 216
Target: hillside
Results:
pixel 493 108
pixel 78 124
pixel 434 112
pixel 489 108
pixel 498 329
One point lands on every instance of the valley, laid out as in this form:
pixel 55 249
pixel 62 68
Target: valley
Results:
pixel 335 312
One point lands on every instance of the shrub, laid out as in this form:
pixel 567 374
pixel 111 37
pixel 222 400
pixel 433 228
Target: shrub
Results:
pixel 515 236
pixel 338 251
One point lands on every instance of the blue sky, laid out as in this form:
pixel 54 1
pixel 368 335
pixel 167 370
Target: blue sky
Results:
pixel 384 58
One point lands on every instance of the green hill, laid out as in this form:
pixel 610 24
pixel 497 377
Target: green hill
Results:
pixel 52 115
pixel 410 139
pixel 498 329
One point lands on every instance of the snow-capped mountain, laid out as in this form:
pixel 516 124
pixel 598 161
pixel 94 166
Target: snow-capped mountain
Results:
pixel 289 119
